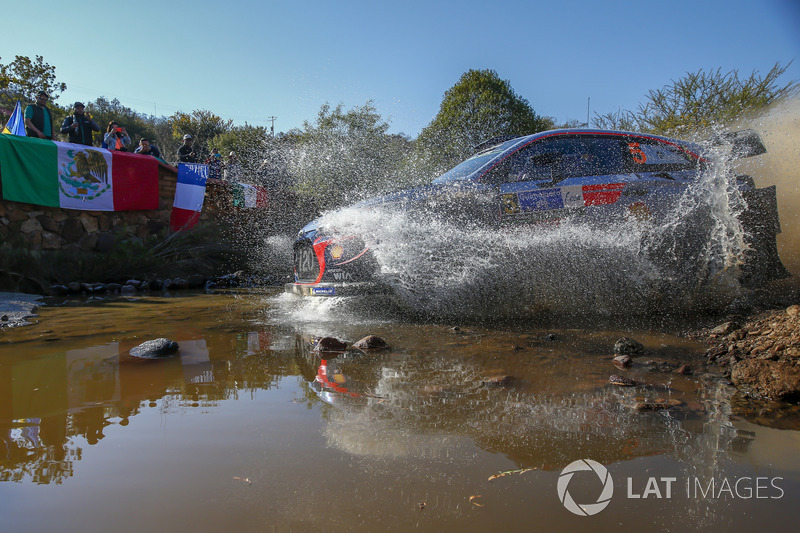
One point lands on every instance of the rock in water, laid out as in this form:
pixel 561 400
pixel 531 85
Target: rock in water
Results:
pixel 628 346
pixel 155 349
pixel 330 344
pixel 371 342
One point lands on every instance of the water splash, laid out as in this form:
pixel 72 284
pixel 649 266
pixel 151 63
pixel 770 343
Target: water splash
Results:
pixel 446 268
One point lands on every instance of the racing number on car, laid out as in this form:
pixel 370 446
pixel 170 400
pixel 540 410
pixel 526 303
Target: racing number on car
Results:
pixel 510 203
pixel 638 156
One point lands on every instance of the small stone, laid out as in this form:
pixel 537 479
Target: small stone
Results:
pixel 628 346
pixel 622 381
pixel 499 380
pixel 684 369
pixel 371 342
pixel 155 349
pixel 330 344
pixel 622 361
pixel 4 318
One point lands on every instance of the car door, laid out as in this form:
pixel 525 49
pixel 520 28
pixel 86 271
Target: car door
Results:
pixel 601 175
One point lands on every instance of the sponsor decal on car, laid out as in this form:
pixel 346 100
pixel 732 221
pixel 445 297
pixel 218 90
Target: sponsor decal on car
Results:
pixel 323 291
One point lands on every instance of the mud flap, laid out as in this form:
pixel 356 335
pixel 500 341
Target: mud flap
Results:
pixel 761 224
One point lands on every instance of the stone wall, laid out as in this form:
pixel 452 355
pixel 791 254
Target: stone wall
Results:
pixel 53 228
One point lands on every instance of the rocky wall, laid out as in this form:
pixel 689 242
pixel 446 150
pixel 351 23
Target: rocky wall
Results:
pixel 53 228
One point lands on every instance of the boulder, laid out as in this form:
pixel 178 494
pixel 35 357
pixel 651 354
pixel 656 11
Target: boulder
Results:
pixel 371 342
pixel 330 344
pixel 155 349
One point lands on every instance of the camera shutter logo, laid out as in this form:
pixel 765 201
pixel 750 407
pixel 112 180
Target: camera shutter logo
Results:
pixel 587 509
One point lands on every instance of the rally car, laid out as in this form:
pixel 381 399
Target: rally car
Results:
pixel 596 176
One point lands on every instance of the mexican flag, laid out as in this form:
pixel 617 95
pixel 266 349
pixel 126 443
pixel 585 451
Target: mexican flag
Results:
pixel 74 176
pixel 245 195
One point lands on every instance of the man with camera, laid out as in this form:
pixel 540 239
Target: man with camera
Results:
pixel 79 126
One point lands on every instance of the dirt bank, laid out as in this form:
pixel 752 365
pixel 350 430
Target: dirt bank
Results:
pixel 761 353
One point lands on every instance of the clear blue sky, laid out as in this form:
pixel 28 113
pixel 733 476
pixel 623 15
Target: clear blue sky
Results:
pixel 250 60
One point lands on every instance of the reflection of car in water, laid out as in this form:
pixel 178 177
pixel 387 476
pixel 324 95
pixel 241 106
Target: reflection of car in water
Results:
pixel 595 176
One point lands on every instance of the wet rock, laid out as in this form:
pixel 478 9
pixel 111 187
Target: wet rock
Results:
pixel 371 342
pixel 622 361
pixel 155 349
pixel 684 370
pixel 628 346
pixel 725 329
pixel 58 290
pixel 622 381
pixel 4 318
pixel 656 405
pixel 330 344
pixel 775 380
pixel 127 290
pixel 135 283
pixel 500 380
pixel 113 287
pixel 74 287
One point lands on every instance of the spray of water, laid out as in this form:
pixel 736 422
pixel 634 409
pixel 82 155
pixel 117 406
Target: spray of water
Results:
pixel 443 268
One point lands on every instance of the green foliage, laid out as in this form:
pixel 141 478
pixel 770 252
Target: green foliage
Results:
pixel 202 125
pixel 247 142
pixel 345 156
pixel 701 101
pixel 478 107
pixel 22 79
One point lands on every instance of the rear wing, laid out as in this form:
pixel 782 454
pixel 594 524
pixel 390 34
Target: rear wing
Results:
pixel 744 143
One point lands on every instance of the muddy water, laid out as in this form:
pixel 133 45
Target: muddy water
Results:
pixel 248 429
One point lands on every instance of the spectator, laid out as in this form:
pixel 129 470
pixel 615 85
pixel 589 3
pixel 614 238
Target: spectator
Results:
pixel 38 120
pixel 214 163
pixel 79 126
pixel 145 148
pixel 186 152
pixel 116 138
pixel 232 169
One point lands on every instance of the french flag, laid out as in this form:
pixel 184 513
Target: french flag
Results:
pixel 189 195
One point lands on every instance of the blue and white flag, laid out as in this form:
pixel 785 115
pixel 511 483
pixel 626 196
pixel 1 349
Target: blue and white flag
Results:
pixel 190 191
pixel 15 124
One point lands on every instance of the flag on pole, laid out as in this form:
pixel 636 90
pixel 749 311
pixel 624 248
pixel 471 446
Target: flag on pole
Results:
pixel 74 176
pixel 15 124
pixel 190 191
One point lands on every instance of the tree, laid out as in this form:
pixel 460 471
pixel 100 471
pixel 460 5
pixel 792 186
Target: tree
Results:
pixel 701 101
pixel 478 107
pixel 202 126
pixel 346 156
pixel 22 79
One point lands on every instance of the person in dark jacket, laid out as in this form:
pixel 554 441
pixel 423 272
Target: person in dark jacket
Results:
pixel 38 120
pixel 79 126
pixel 186 152
pixel 145 148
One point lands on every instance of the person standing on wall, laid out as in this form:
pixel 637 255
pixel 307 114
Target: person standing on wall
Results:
pixel 38 120
pixel 79 126
pixel 186 151
pixel 116 138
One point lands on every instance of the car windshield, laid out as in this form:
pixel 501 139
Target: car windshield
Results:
pixel 474 163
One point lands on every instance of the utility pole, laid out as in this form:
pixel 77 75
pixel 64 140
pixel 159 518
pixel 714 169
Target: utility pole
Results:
pixel 272 127
pixel 588 106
